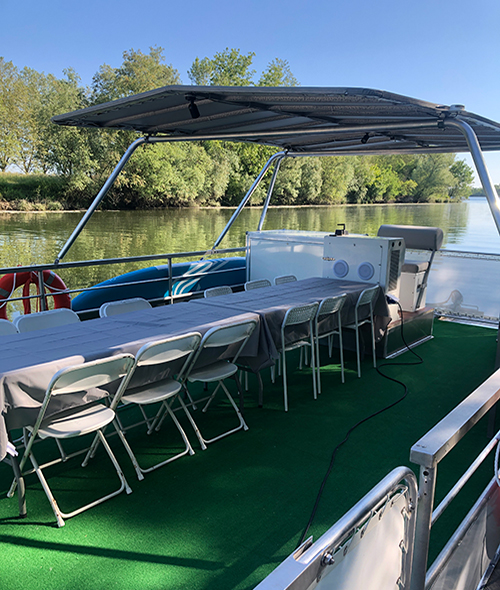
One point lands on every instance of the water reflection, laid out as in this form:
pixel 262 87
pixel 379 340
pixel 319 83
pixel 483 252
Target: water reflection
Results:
pixel 38 237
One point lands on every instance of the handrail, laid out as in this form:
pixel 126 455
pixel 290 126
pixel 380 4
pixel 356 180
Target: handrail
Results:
pixel 169 258
pixel 431 449
pixel 306 566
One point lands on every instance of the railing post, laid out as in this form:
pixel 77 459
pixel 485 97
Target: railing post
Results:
pixel 43 298
pixel 426 491
pixel 170 281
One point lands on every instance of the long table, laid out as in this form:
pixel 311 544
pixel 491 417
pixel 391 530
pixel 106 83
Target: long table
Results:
pixel 272 303
pixel 28 361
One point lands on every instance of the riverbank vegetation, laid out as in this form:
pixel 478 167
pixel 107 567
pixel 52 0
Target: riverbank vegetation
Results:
pixel 44 166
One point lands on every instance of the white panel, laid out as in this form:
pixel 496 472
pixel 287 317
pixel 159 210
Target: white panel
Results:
pixel 284 252
pixel 372 561
pixel 464 284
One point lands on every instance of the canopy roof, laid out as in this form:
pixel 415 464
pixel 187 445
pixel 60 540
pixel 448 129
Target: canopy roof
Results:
pixel 327 120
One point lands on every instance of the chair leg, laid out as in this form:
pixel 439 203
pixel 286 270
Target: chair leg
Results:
pixel 318 364
pixel 341 355
pixel 373 343
pixel 21 488
pixel 209 401
pixel 313 367
pixel 140 470
pixel 48 492
pixel 285 390
pixel 242 424
pixel 357 351
pixel 59 514
pixel 193 424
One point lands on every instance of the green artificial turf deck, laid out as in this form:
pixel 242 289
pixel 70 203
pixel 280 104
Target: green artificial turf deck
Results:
pixel 226 517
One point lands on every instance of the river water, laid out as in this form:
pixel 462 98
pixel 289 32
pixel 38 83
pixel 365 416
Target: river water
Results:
pixel 38 237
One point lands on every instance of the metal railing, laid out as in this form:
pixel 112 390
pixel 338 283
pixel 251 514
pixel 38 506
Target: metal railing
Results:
pixel 428 452
pixel 169 259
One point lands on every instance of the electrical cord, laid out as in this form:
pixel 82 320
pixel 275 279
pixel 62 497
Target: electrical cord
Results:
pixel 351 430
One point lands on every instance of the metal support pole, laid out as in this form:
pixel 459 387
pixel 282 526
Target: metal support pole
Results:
pixel 423 286
pixel 100 196
pixel 43 299
pixel 246 198
pixel 426 491
pixel 269 194
pixel 170 281
pixel 482 170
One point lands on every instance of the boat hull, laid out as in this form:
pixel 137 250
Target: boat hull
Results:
pixel 153 283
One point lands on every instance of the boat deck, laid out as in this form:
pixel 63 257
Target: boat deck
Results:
pixel 226 517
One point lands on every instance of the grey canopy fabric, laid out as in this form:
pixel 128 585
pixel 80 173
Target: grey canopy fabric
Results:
pixel 308 120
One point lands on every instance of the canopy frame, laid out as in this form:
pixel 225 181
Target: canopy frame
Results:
pixel 299 122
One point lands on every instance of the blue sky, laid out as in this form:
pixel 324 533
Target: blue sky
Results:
pixel 441 51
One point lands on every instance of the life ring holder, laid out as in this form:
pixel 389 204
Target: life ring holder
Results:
pixel 52 282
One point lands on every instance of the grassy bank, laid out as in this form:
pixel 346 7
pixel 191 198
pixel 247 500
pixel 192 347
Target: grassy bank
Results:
pixel 33 192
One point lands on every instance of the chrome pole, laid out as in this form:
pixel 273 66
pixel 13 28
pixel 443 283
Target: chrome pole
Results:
pixel 426 491
pixel 246 198
pixel 43 299
pixel 100 196
pixel 482 170
pixel 269 193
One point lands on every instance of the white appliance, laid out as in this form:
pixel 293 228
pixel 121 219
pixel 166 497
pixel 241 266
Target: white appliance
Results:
pixel 366 259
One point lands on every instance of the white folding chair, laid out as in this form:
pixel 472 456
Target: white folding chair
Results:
pixel 51 318
pixel 222 337
pixel 366 297
pixel 257 284
pixel 165 391
pixel 284 279
pixel 7 328
pixel 123 306
pixel 216 291
pixel 301 314
pixel 329 307
pixel 86 419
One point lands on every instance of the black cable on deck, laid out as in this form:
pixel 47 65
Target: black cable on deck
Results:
pixel 346 438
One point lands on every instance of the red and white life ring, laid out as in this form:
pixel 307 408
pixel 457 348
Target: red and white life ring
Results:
pixel 9 283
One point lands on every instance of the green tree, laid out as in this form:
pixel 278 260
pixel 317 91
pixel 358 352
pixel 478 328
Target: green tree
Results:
pixel 337 177
pixel 464 176
pixel 10 115
pixel 67 150
pixel 226 68
pixel 139 72
pixel 278 73
pixel 31 94
pixel 432 177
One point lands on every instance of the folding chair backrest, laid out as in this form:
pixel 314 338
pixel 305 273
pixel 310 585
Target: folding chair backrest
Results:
pixel 367 296
pixel 257 284
pixel 46 319
pixel 331 305
pixel 89 375
pixel 284 279
pixel 7 328
pixel 83 377
pixel 216 291
pixel 300 314
pixel 124 306
pixel 169 350
pixel 226 335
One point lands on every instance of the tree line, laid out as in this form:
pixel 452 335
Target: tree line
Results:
pixel 65 167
